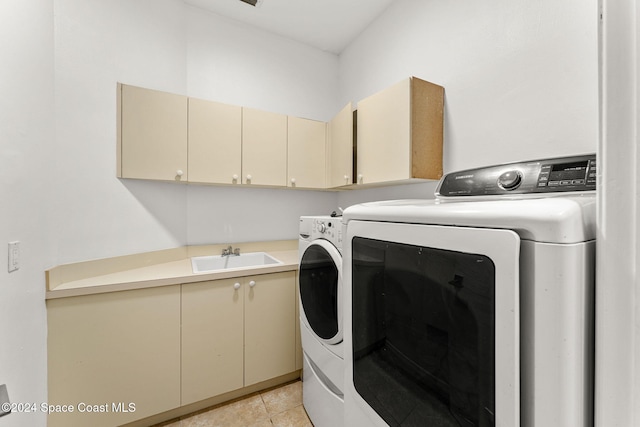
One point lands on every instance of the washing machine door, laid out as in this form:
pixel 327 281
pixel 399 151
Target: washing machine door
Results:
pixel 320 280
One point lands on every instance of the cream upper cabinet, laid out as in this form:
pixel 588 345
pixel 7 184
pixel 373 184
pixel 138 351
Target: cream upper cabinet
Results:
pixel 212 339
pixel 340 149
pixel 215 142
pixel 306 153
pixel 152 130
pixel 114 349
pixel 270 320
pixel 400 133
pixel 264 148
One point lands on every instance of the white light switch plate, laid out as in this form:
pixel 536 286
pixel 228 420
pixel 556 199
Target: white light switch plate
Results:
pixel 14 256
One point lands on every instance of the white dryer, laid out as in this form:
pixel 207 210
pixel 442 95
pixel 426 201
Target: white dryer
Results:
pixel 474 309
pixel 320 281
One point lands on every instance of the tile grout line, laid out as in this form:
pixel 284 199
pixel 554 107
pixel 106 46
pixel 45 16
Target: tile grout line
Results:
pixel 265 408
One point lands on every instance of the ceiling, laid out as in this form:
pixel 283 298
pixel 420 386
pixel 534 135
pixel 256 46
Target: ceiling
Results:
pixel 329 25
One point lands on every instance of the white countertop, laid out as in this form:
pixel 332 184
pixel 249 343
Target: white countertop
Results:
pixel 160 268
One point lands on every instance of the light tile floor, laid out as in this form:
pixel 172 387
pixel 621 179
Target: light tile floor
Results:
pixel 278 407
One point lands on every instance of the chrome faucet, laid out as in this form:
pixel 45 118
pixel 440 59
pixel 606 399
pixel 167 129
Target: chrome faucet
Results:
pixel 230 251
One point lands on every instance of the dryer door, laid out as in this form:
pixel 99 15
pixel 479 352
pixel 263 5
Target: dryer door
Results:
pixel 320 281
pixel 432 325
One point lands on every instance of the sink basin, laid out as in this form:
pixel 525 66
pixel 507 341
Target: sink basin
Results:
pixel 207 264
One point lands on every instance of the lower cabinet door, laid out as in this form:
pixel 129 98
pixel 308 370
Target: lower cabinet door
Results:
pixel 269 327
pixel 114 357
pixel 212 338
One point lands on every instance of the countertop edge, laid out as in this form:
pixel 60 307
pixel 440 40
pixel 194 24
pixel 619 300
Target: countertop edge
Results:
pixel 166 274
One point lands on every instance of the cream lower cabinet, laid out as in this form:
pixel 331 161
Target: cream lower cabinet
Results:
pixel 400 133
pixel 212 339
pixel 114 357
pixel 264 148
pixel 269 330
pixel 152 134
pixel 236 333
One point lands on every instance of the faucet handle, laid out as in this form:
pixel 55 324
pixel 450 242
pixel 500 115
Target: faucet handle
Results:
pixel 236 251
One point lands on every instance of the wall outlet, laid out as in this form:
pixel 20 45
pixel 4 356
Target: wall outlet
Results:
pixel 5 407
pixel 14 256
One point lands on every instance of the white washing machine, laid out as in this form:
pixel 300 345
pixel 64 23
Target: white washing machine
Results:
pixel 476 308
pixel 321 320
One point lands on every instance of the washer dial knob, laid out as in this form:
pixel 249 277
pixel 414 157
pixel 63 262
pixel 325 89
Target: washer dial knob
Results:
pixel 510 180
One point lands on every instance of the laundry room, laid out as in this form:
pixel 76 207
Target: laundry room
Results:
pixel 519 81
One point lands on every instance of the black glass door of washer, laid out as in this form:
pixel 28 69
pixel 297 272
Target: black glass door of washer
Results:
pixel 424 334
pixel 319 291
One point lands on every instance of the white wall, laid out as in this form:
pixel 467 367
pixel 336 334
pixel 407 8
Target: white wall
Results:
pixel 169 46
pixel 241 65
pixel 237 64
pixel 98 44
pixel 61 198
pixel 520 77
pixel 618 241
pixel 27 153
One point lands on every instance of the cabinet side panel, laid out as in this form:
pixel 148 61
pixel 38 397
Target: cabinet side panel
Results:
pixel 119 130
pixel 340 148
pixel 111 349
pixel 384 132
pixel 215 142
pixel 270 327
pixel 427 127
pixel 212 339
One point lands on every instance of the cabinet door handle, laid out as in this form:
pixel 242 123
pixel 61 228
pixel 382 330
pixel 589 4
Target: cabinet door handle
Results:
pixel 252 283
pixel 179 172
pixel 235 177
pixel 249 177
pixel 360 178
pixel 346 179
pixel 293 180
pixel 236 286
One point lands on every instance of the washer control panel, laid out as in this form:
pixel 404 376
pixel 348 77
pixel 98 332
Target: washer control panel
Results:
pixel 562 174
pixel 322 227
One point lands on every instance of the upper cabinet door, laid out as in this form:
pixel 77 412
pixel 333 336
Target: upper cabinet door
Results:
pixel 153 134
pixel 306 153
pixel 264 148
pixel 215 142
pixel 340 149
pixel 400 132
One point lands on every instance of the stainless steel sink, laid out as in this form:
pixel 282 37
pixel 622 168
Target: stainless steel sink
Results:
pixel 207 264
